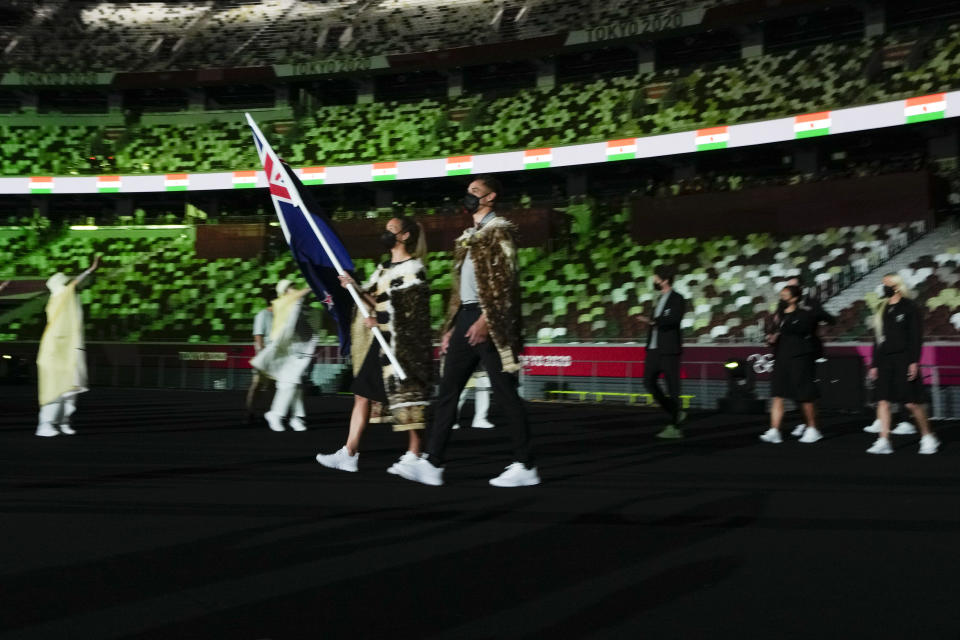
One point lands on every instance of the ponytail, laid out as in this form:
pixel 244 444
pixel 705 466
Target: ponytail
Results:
pixel 416 243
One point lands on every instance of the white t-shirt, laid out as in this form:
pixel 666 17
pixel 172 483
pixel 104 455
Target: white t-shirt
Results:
pixel 262 324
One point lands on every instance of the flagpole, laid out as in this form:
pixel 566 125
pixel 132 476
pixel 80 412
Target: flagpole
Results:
pixel 361 305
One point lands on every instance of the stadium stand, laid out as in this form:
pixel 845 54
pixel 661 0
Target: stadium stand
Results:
pixel 826 76
pixel 159 290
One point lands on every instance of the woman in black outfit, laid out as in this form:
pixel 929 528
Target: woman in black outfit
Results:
pixel 794 343
pixel 895 369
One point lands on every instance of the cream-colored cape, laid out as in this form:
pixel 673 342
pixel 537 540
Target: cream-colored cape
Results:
pixel 61 362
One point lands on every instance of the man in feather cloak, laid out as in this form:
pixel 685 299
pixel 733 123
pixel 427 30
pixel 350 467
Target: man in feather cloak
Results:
pixel 482 327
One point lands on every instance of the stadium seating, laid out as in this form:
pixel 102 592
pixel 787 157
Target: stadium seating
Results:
pixel 773 85
pixel 590 291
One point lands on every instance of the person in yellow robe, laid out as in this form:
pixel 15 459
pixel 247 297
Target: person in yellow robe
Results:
pixel 61 360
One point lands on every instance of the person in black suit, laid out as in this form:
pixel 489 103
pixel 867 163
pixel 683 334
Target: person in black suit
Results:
pixel 793 367
pixel 664 346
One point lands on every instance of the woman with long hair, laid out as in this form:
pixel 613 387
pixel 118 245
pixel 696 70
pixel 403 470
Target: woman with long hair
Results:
pixel 399 296
pixel 898 338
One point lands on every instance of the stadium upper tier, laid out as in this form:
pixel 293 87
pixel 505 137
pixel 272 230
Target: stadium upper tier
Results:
pixel 135 36
pixel 768 86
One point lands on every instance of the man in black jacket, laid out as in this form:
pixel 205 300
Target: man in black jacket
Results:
pixel 664 345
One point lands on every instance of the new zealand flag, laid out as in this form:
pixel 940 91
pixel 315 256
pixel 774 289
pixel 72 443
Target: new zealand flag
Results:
pixel 307 229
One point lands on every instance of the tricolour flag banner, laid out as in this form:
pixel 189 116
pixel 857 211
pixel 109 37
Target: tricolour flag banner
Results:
pixel 303 223
pixel 244 179
pixel 176 182
pixel 108 184
pixel 923 108
pixel 812 125
pixel 622 149
pixel 41 184
pixel 384 171
pixel 313 175
pixel 459 165
pixel 712 138
pixel 537 158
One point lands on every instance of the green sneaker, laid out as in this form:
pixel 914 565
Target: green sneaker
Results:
pixel 670 433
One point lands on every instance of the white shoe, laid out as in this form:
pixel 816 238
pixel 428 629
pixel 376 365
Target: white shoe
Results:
pixel 882 445
pixel 798 430
pixel 273 421
pixel 517 475
pixel 422 471
pixel 904 429
pixel 456 426
pixel 297 424
pixel 481 423
pixel 772 436
pixel 873 427
pixel 47 431
pixel 341 460
pixel 406 458
pixel 811 435
pixel 929 444
pixel 67 430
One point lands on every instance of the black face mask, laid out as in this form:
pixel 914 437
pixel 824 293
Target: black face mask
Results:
pixel 888 291
pixel 471 202
pixel 782 305
pixel 389 239
pixel 658 286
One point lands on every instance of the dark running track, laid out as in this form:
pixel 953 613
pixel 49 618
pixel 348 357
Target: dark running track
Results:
pixel 167 518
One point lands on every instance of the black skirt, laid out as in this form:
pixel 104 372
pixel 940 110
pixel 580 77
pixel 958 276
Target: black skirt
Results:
pixel 794 378
pixel 368 382
pixel 892 384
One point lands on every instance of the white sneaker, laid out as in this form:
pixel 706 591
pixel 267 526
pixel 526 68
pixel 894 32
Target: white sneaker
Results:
pixel 273 421
pixel 406 458
pixel 481 423
pixel 517 475
pixel 929 444
pixel 297 424
pixel 341 460
pixel 882 445
pixel 47 431
pixel 67 430
pixel 873 427
pixel 904 429
pixel 422 471
pixel 772 436
pixel 798 430
pixel 811 435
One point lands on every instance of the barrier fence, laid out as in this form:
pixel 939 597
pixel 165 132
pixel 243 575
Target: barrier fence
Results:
pixel 703 382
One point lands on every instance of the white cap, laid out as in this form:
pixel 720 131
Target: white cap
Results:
pixel 57 282
pixel 282 286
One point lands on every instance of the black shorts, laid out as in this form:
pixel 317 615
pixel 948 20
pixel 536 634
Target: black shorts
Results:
pixel 368 382
pixel 794 378
pixel 892 384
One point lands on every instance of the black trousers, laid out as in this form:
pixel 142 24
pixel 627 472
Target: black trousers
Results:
pixel 669 365
pixel 459 364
